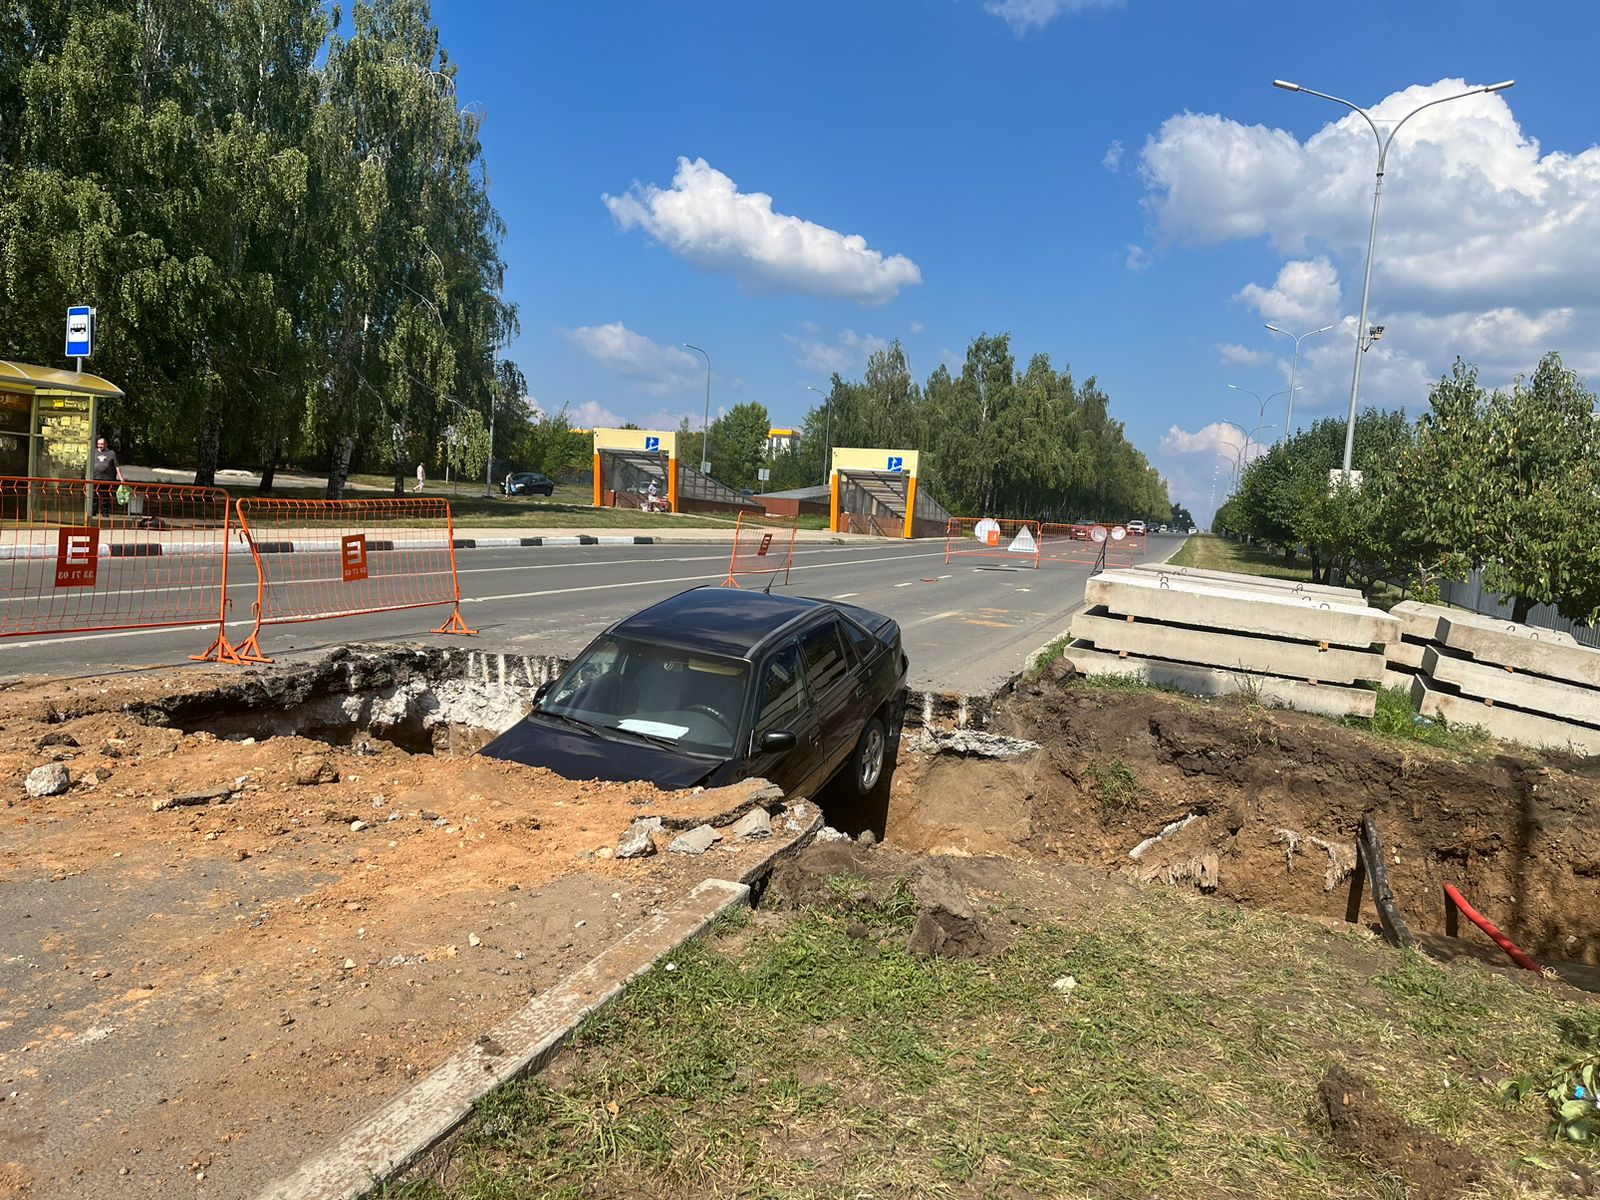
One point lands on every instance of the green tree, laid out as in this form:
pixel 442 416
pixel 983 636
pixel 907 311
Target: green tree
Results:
pixel 1509 483
pixel 739 445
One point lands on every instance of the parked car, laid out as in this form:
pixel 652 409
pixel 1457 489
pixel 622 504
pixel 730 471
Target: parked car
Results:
pixel 1162 529
pixel 720 684
pixel 1137 527
pixel 528 483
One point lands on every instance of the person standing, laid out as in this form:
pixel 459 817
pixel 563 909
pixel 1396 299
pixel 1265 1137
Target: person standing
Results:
pixel 105 471
pixel 422 478
pixel 650 498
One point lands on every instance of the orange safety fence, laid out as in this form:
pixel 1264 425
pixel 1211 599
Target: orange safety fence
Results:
pixel 318 559
pixel 761 546
pixel 1095 544
pixel 992 537
pixel 82 556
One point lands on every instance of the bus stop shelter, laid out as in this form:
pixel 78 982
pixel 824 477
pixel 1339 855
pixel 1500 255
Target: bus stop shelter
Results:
pixel 49 419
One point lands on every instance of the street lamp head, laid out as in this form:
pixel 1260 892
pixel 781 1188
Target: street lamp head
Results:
pixel 1275 329
pixel 1501 86
pixel 1286 85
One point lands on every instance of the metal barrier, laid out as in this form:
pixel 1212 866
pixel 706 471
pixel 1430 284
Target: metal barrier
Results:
pixel 760 548
pixel 318 559
pixel 991 537
pixel 1095 545
pixel 83 556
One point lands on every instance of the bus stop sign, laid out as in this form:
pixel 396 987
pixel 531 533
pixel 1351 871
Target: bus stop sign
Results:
pixel 80 331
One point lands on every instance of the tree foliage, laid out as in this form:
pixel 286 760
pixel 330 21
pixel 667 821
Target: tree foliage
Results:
pixel 286 232
pixel 994 440
pixel 1506 483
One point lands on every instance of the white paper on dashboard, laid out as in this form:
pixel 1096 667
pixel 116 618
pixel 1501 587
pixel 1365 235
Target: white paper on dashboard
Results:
pixel 654 728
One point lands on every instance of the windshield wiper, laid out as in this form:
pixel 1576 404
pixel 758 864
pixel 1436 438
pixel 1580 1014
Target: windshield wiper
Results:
pixel 581 726
pixel 653 738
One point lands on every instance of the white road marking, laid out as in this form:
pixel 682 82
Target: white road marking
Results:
pixel 846 595
pixel 907 583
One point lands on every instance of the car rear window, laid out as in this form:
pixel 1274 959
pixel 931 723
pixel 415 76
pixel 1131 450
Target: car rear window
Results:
pixel 860 640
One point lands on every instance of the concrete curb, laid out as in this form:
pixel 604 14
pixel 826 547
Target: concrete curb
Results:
pixel 397 1135
pixel 374 545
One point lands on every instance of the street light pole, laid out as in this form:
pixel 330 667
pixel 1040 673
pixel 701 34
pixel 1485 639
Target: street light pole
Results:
pixel 705 425
pixel 827 430
pixel 1294 373
pixel 1261 409
pixel 1372 233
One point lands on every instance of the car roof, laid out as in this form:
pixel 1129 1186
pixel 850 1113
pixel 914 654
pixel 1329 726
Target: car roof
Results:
pixel 727 621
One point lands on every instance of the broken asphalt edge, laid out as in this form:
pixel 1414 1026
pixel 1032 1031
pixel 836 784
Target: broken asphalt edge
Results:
pixel 399 1133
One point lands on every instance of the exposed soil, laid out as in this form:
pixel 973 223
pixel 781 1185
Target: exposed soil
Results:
pixel 208 992
pixel 1275 798
pixel 1362 1126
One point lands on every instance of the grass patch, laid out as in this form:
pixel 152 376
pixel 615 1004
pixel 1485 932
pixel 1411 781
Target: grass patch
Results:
pixel 1396 718
pixel 1208 552
pixel 469 508
pixel 1119 791
pixel 791 1059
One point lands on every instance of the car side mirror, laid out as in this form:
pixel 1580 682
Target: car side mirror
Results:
pixel 540 692
pixel 777 741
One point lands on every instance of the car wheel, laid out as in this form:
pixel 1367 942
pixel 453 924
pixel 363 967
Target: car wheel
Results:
pixel 866 764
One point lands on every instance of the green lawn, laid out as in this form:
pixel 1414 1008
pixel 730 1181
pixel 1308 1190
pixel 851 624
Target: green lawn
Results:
pixel 569 508
pixel 809 1055
pixel 1208 552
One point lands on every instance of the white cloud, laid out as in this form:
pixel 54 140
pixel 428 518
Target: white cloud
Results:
pixel 705 219
pixel 917 327
pixel 1199 465
pixel 1487 247
pixel 1113 157
pixel 591 414
pixel 1139 259
pixel 849 351
pixel 1305 295
pixel 1023 15
pixel 655 368
pixel 1242 356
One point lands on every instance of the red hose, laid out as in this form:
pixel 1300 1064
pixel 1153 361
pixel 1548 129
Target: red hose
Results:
pixel 1499 939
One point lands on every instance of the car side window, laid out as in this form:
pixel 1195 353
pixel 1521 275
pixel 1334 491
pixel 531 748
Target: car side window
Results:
pixel 782 694
pixel 860 640
pixel 825 661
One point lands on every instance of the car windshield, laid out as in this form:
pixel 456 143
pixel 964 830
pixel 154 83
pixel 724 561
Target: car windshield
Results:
pixel 660 693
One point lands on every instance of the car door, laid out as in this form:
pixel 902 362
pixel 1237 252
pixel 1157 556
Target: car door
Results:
pixel 831 684
pixel 782 704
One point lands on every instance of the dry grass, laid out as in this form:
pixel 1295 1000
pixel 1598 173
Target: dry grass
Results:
pixel 785 1057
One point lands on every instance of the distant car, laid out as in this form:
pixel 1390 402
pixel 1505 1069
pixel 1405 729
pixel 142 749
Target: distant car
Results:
pixel 1163 529
pixel 716 685
pixel 1137 527
pixel 528 483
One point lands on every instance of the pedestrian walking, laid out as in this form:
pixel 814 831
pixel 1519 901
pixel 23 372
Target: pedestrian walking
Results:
pixel 422 478
pixel 106 472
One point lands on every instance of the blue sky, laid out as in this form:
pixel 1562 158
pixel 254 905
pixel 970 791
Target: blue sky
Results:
pixel 1117 184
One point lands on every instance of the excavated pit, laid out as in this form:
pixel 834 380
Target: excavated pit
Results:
pixel 1261 807
pixel 422 701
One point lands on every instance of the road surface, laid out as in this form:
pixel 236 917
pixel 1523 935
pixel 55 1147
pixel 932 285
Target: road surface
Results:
pixel 968 625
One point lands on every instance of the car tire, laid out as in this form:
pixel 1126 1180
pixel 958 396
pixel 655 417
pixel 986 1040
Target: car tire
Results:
pixel 868 763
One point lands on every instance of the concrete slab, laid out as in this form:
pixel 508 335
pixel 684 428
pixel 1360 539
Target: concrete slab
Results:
pixel 1353 595
pixel 402 1130
pixel 1534 693
pixel 1325 699
pixel 1407 652
pixel 1502 648
pixel 1231 651
pixel 1421 621
pixel 1216 606
pixel 1398 679
pixel 1508 724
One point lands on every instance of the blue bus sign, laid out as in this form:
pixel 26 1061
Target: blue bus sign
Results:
pixel 652 443
pixel 80 331
pixel 896 463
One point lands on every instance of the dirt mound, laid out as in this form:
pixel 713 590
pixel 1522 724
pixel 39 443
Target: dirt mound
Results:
pixel 1261 806
pixel 1364 1127
pixel 927 900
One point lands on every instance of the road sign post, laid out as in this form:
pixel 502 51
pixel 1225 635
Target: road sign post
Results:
pixel 80 333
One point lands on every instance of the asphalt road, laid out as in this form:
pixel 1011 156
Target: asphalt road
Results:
pixel 968 625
